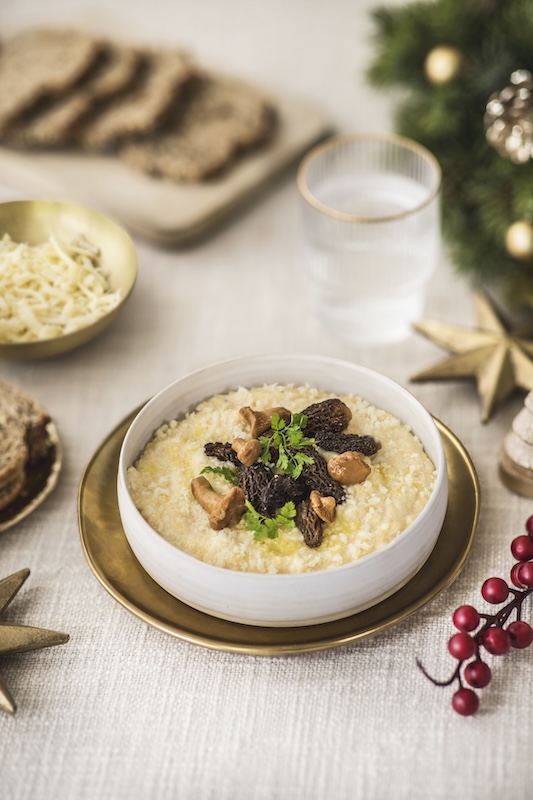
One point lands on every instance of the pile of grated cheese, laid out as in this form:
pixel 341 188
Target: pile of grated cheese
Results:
pixel 50 289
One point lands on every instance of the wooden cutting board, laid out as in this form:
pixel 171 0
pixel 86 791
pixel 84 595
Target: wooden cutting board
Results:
pixel 163 212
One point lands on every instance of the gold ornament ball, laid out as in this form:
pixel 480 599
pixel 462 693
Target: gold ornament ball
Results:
pixel 443 64
pixel 519 240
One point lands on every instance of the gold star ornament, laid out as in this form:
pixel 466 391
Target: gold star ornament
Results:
pixel 20 638
pixel 498 360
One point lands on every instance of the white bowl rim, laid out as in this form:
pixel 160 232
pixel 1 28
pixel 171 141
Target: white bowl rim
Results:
pixel 159 540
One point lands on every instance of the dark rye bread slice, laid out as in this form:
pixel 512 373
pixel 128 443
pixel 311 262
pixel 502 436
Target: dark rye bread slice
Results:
pixel 55 124
pixel 41 63
pixel 13 451
pixel 24 440
pixel 217 118
pixel 11 490
pixel 18 409
pixel 141 110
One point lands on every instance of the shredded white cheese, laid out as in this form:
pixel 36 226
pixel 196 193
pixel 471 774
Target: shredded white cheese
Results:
pixel 50 289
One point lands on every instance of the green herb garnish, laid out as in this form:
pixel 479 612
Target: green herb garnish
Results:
pixel 268 527
pixel 226 473
pixel 288 438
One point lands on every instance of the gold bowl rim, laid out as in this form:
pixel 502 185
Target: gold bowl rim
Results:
pixel 57 345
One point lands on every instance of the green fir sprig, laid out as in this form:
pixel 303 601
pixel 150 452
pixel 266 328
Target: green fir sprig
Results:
pixel 483 193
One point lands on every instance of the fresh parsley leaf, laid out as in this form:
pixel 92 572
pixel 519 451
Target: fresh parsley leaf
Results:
pixel 287 438
pixel 283 461
pixel 268 527
pixel 226 473
pixel 287 512
pixel 277 423
pixel 300 460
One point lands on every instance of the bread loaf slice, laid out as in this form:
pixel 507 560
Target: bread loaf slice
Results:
pixel 218 118
pixel 38 64
pixel 18 409
pixel 24 440
pixel 141 110
pixel 55 124
pixel 13 451
pixel 12 490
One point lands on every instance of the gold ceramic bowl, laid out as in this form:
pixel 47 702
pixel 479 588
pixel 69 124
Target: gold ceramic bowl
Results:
pixel 33 222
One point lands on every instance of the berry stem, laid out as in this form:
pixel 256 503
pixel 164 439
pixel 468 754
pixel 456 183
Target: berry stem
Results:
pixel 490 632
pixel 504 613
pixel 455 675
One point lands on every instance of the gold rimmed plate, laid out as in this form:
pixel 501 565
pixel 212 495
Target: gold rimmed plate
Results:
pixel 40 482
pixel 112 561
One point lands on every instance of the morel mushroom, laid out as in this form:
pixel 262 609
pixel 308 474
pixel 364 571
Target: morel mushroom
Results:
pixel 348 468
pixel 341 442
pixel 260 421
pixel 221 450
pixel 315 476
pixel 280 490
pixel 224 510
pixel 328 415
pixel 309 523
pixel 253 481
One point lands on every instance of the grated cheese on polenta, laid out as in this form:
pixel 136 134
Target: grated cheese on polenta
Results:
pixel 372 515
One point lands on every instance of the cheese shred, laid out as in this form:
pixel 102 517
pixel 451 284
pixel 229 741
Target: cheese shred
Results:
pixel 51 289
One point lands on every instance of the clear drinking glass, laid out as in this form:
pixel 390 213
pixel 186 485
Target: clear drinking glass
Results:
pixel 371 224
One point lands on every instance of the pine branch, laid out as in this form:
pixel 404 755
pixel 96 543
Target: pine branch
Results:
pixel 483 192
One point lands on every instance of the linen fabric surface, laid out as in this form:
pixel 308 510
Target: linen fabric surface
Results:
pixel 125 711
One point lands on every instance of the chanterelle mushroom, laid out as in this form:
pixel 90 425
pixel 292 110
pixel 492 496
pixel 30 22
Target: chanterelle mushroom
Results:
pixel 260 421
pixel 248 451
pixel 348 468
pixel 324 507
pixel 224 510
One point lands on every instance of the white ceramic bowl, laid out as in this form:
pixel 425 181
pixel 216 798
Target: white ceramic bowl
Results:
pixel 284 599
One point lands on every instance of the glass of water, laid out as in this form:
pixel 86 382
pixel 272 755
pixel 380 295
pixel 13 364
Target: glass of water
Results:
pixel 371 218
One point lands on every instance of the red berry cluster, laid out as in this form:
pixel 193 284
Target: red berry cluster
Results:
pixel 496 634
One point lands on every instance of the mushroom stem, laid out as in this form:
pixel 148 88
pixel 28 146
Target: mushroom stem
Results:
pixel 260 421
pixel 247 451
pixel 224 510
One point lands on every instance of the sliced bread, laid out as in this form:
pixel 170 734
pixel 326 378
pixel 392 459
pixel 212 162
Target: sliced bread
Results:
pixel 55 124
pixel 218 118
pixel 144 107
pixel 12 490
pixel 13 451
pixel 19 409
pixel 38 64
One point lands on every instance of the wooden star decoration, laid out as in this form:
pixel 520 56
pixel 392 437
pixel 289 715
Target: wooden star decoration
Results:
pixel 20 638
pixel 496 358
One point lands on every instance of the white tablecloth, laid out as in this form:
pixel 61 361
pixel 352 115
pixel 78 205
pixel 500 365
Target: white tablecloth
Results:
pixel 123 711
